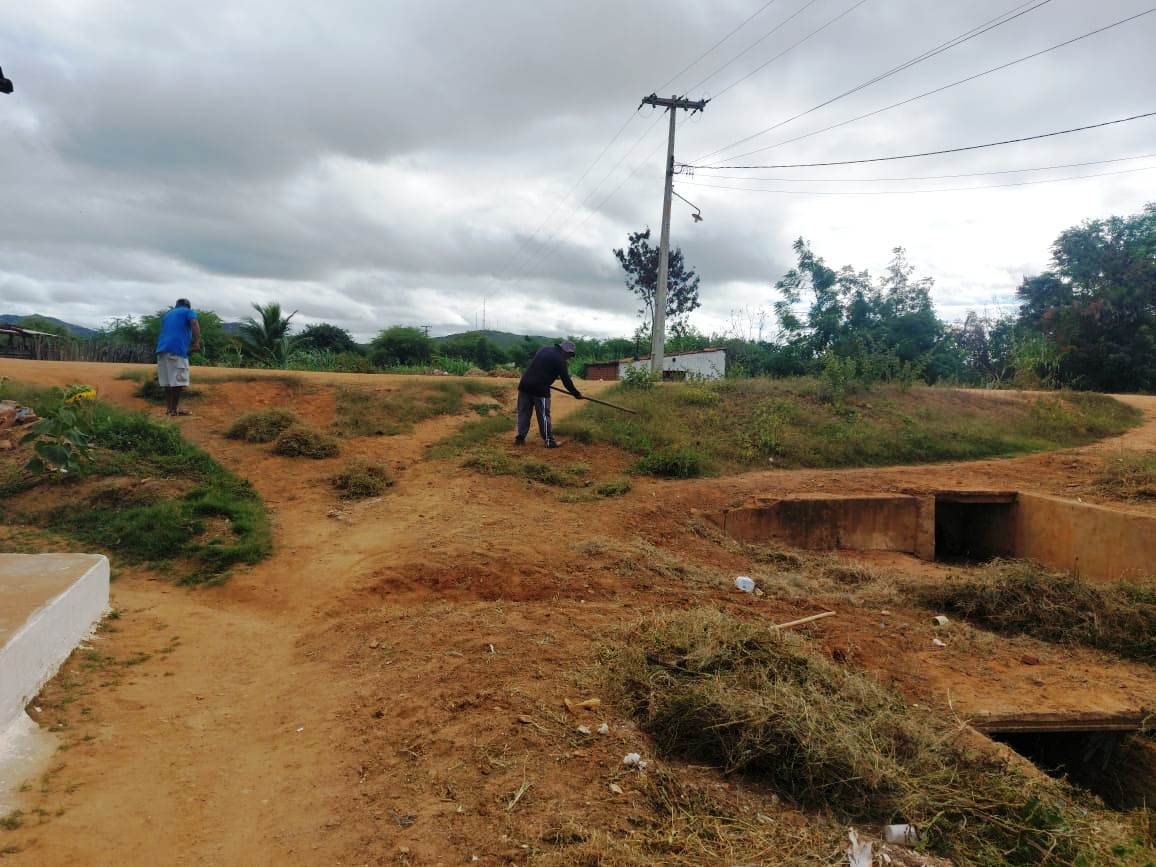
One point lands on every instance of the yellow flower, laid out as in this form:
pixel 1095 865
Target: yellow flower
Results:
pixel 80 392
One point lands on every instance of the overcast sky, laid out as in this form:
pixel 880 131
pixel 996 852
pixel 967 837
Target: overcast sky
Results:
pixel 373 163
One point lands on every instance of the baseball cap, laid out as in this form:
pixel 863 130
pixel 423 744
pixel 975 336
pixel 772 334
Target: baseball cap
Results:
pixel 568 347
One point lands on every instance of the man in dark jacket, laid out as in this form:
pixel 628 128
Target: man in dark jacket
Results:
pixel 548 364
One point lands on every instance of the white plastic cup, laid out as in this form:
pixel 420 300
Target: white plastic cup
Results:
pixel 745 584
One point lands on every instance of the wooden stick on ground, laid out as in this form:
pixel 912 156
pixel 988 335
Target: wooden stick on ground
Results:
pixel 803 620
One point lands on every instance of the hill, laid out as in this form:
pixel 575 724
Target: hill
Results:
pixel 77 330
pixel 504 339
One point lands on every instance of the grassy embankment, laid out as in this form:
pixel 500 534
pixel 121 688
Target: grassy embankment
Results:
pixel 146 495
pixel 371 412
pixel 686 430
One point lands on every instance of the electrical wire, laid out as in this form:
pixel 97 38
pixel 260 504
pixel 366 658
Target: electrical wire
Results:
pixel 694 62
pixel 979 30
pixel 791 48
pixel 944 87
pixel 918 192
pixel 935 153
pixel 930 177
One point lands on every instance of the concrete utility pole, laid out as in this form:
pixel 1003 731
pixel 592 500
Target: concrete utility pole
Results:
pixel 658 329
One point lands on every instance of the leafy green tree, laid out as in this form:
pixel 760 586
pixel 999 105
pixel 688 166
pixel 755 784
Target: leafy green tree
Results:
pixel 400 345
pixel 1097 304
pixel 266 338
pixel 325 336
pixel 640 262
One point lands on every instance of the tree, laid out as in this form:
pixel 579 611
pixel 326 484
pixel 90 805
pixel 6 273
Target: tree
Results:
pixel 324 336
pixel 267 339
pixel 640 262
pixel 400 345
pixel 1097 304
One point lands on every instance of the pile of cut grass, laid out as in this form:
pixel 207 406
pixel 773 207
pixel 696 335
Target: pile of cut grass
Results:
pixel 140 526
pixel 262 426
pixel 371 412
pixel 302 441
pixel 1128 475
pixel 755 701
pixel 685 429
pixel 1019 597
pixel 152 391
pixel 361 477
pixel 494 462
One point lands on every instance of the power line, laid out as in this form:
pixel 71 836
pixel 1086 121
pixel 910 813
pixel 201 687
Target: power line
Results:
pixel 944 87
pixel 931 177
pixel 791 48
pixel 758 41
pixel 694 62
pixel 930 153
pixel 979 30
pixel 917 192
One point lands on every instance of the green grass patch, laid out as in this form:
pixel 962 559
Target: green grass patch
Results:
pixel 361 477
pixel 1019 597
pixel 301 441
pixel 470 435
pixel 688 429
pixel 155 393
pixel 262 426
pixel 217 519
pixel 372 412
pixel 494 462
pixel 759 702
pixel 616 488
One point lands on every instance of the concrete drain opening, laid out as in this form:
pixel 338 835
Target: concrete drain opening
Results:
pixel 1093 541
pixel 1119 766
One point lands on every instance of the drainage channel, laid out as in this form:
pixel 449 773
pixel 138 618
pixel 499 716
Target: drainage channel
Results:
pixel 972 525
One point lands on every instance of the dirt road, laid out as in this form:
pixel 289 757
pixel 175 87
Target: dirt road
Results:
pixel 382 687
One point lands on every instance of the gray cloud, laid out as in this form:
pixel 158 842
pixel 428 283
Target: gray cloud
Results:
pixel 373 163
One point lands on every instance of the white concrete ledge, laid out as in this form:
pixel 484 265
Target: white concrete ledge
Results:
pixel 49 603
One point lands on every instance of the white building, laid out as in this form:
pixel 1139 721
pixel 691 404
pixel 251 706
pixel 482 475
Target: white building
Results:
pixel 703 364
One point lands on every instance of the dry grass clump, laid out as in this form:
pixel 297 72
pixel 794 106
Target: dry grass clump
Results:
pixel 301 441
pixel 262 426
pixel 361 477
pixel 1020 597
pixel 755 701
pixel 1129 475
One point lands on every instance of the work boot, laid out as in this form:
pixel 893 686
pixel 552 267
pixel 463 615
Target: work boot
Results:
pixel 553 444
pixel 519 441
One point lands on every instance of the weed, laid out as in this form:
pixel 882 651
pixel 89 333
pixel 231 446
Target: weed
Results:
pixel 540 471
pixel 614 489
pixel 300 441
pixel 684 462
pixel 262 426
pixel 484 409
pixel 152 391
pixel 1022 598
pixel 762 703
pixel 361 477
pixel 371 412
pixel 12 820
pixel 492 462
pixel 471 434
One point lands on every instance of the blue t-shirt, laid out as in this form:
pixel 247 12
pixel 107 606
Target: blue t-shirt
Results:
pixel 176 331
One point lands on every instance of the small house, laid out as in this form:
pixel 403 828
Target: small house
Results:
pixel 700 364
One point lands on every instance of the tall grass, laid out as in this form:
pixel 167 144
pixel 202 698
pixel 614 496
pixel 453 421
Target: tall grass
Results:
pixel 735 425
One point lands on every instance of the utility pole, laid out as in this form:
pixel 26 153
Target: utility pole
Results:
pixel 658 329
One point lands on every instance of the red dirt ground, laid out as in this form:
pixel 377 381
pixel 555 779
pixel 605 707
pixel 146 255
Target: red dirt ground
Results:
pixel 382 687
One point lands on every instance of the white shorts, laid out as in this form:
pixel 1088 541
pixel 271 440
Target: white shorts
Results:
pixel 172 370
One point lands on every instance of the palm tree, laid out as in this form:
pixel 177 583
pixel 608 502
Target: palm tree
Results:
pixel 267 339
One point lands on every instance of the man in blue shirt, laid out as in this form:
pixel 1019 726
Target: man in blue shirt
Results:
pixel 180 335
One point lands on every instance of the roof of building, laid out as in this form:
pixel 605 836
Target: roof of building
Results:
pixel 16 329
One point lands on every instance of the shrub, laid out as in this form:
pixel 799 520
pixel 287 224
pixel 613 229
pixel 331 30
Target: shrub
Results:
pixel 684 462
pixel 757 701
pixel 361 477
pixel 614 489
pixel 300 441
pixel 1130 475
pixel 262 426
pixel 638 378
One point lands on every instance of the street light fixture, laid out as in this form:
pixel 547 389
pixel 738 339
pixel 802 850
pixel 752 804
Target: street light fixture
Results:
pixel 697 215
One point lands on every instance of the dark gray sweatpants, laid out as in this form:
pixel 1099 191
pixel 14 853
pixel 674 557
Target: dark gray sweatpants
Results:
pixel 539 406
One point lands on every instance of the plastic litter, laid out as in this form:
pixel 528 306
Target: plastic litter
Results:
pixel 940 620
pixel 938 643
pixel 903 835
pixel 859 854
pixel 634 760
pixel 745 584
pixel 583 730
pixel 604 729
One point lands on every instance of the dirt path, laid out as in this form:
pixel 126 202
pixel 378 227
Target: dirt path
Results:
pixel 362 696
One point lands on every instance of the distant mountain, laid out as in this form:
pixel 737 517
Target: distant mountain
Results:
pixel 77 330
pixel 504 339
